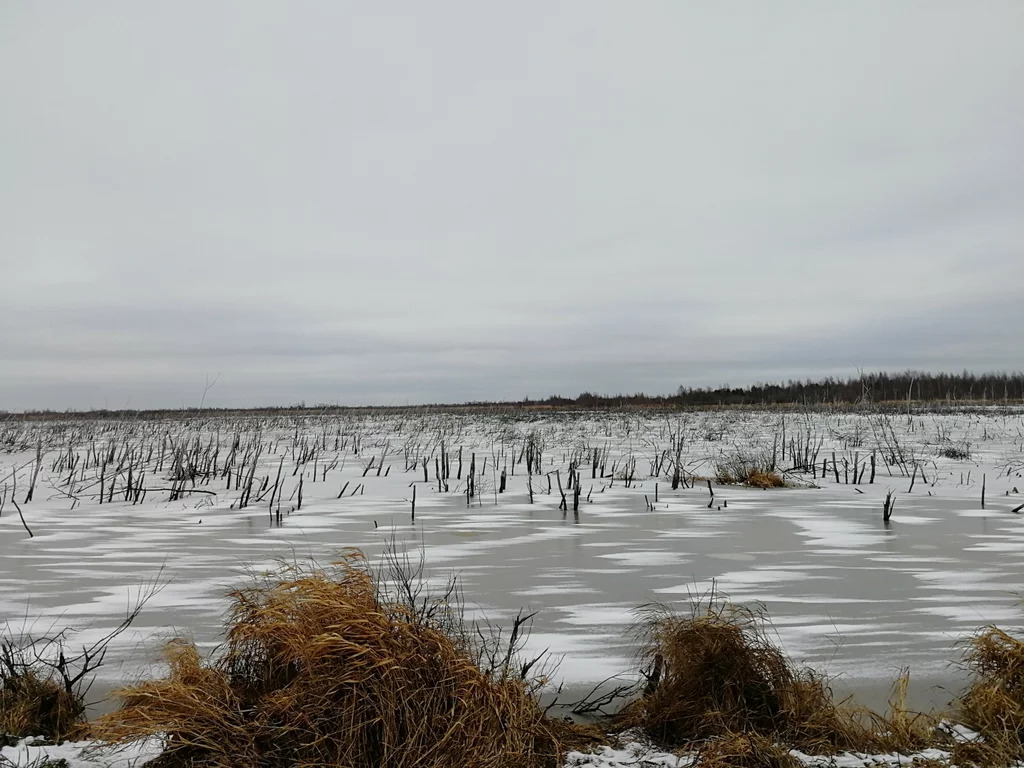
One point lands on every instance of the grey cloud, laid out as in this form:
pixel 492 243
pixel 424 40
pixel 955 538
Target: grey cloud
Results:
pixel 102 333
pixel 326 202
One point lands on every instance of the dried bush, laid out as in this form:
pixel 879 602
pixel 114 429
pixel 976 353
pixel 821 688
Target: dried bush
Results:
pixel 715 674
pixel 757 471
pixel 43 682
pixel 765 480
pixel 319 670
pixel 993 705
pixel 959 451
pixel 32 705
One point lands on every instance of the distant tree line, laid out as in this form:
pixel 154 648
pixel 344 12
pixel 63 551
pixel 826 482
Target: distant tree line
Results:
pixel 879 387
pixel 865 388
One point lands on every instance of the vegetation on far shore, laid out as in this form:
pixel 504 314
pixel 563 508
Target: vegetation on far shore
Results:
pixel 880 389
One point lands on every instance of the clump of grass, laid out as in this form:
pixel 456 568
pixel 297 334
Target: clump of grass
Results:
pixel 743 750
pixel 958 452
pixel 43 682
pixel 981 754
pixel 710 674
pixel 993 705
pixel 759 479
pixel 901 729
pixel 321 669
pixel 715 675
pixel 32 704
pixel 754 471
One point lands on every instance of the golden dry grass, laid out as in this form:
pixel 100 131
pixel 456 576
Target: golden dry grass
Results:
pixel 756 472
pixel 715 675
pixel 993 705
pixel 760 479
pixel 34 705
pixel 901 729
pixel 743 750
pixel 710 675
pixel 319 670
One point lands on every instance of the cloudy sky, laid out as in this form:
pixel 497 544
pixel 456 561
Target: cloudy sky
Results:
pixel 421 202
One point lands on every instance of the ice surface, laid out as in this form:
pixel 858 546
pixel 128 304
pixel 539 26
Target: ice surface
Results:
pixel 837 583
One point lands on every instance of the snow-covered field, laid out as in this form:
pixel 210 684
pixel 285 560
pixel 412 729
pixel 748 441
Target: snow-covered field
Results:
pixel 847 594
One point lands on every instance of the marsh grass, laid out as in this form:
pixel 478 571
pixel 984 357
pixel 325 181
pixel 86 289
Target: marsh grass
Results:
pixel 34 705
pixel 993 704
pixel 754 470
pixel 318 670
pixel 44 681
pixel 743 750
pixel 715 681
pixel 759 479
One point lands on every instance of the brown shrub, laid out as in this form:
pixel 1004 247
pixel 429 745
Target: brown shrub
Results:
pixel 709 675
pixel 319 671
pixel 760 479
pixel 44 682
pixel 993 705
pixel 716 675
pixel 34 705
pixel 754 470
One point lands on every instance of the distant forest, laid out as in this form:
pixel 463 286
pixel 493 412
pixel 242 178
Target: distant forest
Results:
pixel 866 388
pixel 869 388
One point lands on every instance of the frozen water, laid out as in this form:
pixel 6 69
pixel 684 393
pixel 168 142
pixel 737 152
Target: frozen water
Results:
pixel 843 590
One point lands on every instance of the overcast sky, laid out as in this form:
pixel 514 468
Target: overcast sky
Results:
pixel 422 202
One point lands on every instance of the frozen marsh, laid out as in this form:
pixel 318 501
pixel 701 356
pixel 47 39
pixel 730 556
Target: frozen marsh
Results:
pixel 198 499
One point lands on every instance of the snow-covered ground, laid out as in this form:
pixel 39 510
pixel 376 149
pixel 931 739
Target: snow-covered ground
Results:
pixel 846 593
pixel 83 754
pixel 631 754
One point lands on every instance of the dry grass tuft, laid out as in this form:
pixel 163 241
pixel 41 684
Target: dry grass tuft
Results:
pixel 959 452
pixel 758 479
pixel 715 674
pixel 33 705
pixel 754 470
pixel 320 670
pixel 994 703
pixel 901 729
pixel 579 737
pixel 979 753
pixel 44 682
pixel 709 675
pixel 743 750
